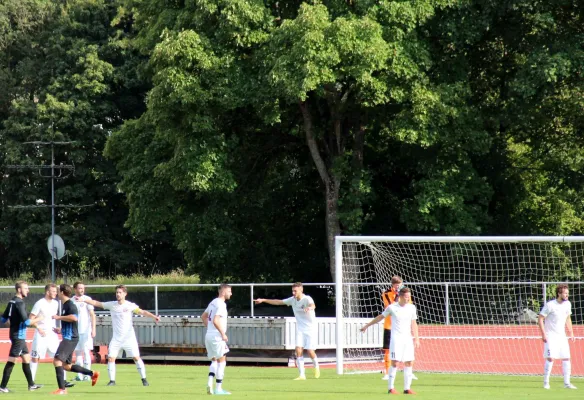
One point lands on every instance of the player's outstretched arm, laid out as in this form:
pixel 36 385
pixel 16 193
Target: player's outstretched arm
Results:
pixel 270 301
pixel 372 322
pixel 145 313
pixel 94 303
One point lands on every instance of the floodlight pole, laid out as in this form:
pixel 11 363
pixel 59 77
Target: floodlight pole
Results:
pixel 53 206
pixel 54 253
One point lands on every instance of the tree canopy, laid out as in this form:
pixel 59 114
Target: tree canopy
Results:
pixel 238 137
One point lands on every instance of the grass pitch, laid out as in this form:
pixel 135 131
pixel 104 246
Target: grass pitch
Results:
pixel 174 382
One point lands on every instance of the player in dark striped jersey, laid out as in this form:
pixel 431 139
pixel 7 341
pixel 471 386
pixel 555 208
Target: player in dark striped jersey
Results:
pixel 70 333
pixel 15 313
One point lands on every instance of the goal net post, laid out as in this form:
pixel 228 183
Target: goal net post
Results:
pixel 478 300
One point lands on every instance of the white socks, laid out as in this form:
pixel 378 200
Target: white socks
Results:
pixel 33 368
pixel 79 358
pixel 567 369
pixel 220 374
pixel 111 370
pixel 391 380
pixel 315 362
pixel 87 359
pixel 407 378
pixel 300 364
pixel 212 373
pixel 547 371
pixel 141 368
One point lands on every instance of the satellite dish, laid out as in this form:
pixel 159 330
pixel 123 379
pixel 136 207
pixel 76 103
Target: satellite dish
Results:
pixel 59 251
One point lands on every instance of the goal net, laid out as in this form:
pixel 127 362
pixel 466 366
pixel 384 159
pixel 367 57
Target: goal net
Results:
pixel 477 299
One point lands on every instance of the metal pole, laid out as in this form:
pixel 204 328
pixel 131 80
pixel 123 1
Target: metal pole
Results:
pixel 340 337
pixel 54 253
pixel 543 293
pixel 447 305
pixel 156 300
pixel 155 313
pixel 251 297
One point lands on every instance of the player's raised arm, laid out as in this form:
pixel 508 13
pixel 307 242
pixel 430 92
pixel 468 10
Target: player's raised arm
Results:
pixel 145 313
pixel 94 303
pixel 273 302
pixel 372 322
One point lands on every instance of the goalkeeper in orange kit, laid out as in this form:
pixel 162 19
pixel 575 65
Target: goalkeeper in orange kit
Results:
pixel 388 297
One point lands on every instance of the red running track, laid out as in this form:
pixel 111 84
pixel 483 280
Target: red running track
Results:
pixel 495 349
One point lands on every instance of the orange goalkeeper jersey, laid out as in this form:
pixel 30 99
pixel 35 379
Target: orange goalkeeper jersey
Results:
pixel 388 297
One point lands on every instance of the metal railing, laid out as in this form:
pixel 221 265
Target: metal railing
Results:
pixel 156 287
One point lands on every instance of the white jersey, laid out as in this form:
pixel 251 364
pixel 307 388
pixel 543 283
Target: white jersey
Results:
pixel 216 308
pixel 84 317
pixel 304 320
pixel 46 309
pixel 556 315
pixel 122 318
pixel 401 319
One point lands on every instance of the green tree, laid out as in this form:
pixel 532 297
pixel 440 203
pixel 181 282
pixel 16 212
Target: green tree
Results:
pixel 328 74
pixel 73 81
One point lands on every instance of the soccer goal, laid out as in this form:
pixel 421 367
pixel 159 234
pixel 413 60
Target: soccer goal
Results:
pixel 477 298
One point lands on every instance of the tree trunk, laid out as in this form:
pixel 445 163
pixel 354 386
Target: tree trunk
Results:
pixel 332 185
pixel 333 227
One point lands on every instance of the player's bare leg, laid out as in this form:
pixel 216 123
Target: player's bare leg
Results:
pixel 300 364
pixel 314 358
pixel 141 370
pixel 408 378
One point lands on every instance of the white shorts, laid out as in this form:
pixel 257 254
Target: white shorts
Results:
pixel 401 349
pixel 306 340
pixel 556 348
pixel 216 347
pixel 129 345
pixel 43 345
pixel 85 342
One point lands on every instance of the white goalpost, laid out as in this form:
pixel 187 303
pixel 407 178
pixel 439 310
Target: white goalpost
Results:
pixel 478 299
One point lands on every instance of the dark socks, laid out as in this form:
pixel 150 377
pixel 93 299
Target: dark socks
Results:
pixel 27 373
pixel 81 370
pixel 6 374
pixel 60 378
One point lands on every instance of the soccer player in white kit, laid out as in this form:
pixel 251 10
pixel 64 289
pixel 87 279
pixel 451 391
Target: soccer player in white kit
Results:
pixel 306 328
pixel 86 327
pixel 553 319
pixel 215 320
pixel 124 337
pixel 401 347
pixel 45 339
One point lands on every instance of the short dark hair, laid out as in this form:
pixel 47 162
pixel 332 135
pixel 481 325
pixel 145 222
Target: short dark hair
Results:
pixel 404 290
pixel 65 289
pixel 223 286
pixel 297 284
pixel 123 287
pixel 77 284
pixel 560 289
pixel 49 286
pixel 18 285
